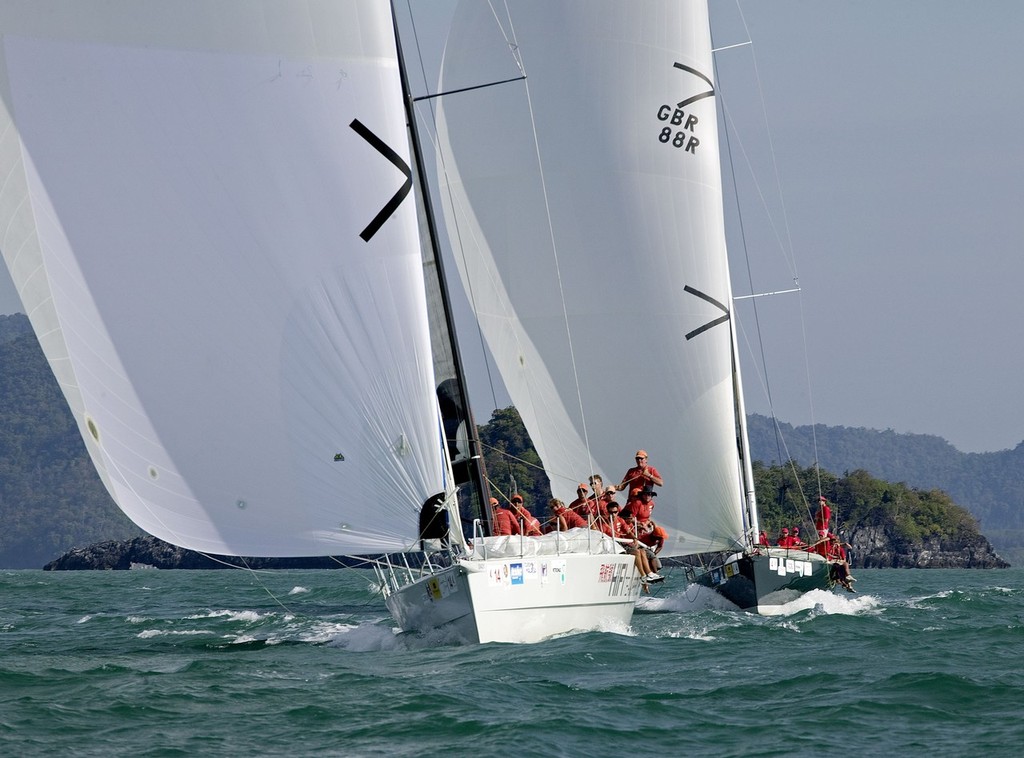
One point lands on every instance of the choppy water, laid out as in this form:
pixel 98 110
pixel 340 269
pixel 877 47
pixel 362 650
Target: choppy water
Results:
pixel 166 663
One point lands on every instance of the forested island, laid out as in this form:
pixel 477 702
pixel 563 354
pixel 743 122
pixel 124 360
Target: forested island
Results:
pixel 52 501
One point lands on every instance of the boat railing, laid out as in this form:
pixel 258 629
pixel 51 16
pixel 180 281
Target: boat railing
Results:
pixel 478 535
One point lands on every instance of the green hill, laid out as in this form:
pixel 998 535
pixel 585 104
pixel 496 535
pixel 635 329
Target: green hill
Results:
pixel 51 498
pixel 989 485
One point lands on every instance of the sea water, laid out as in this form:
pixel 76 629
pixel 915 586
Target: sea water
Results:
pixel 304 663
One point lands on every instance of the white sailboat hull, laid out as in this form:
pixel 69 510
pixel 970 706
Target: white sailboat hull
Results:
pixel 523 599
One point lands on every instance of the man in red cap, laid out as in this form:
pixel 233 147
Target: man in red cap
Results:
pixel 641 507
pixel 653 539
pixel 563 519
pixel 580 504
pixel 824 515
pixel 784 538
pixel 505 522
pixel 529 525
pixel 794 537
pixel 641 475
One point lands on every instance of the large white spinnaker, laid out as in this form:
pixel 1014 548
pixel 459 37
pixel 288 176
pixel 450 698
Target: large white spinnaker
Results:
pixel 184 189
pixel 595 256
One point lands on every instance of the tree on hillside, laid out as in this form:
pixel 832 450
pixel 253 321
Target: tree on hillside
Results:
pixel 787 496
pixel 512 462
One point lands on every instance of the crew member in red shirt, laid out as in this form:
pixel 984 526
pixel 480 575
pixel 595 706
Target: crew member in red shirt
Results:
pixel 581 504
pixel 644 504
pixel 505 522
pixel 837 554
pixel 529 525
pixel 823 517
pixel 641 475
pixel 607 499
pixel 563 519
pixel 619 530
pixel 784 538
pixel 652 537
pixel 594 504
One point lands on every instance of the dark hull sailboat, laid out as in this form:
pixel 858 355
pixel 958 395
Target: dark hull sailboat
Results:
pixel 765 581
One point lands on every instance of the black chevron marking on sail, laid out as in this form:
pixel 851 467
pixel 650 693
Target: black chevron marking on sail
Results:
pixel 392 204
pixel 700 96
pixel 708 325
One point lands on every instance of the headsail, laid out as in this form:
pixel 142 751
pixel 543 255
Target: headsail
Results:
pixel 595 254
pixel 203 210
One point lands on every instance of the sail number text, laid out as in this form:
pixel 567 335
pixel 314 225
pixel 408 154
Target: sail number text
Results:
pixel 676 117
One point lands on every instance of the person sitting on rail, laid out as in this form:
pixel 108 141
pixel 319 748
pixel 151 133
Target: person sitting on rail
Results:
pixel 505 522
pixel 563 519
pixel 836 553
pixel 528 523
pixel 619 530
pixel 652 537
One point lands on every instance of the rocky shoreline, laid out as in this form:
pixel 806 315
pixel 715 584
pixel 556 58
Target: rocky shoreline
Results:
pixel 872 547
pixel 876 547
pixel 150 552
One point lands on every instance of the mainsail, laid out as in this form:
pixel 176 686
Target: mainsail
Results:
pixel 588 203
pixel 202 208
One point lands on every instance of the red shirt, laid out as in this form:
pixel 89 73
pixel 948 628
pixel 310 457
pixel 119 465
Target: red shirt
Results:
pixel 531 526
pixel 822 518
pixel 583 506
pixel 835 547
pixel 569 520
pixel 642 508
pixel 616 527
pixel 637 477
pixel 505 523
pixel 652 535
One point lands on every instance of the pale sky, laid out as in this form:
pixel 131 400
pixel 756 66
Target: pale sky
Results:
pixel 895 126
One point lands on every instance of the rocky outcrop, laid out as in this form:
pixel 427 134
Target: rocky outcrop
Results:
pixel 150 552
pixel 879 547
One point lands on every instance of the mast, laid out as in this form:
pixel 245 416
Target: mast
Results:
pixel 476 467
pixel 747 471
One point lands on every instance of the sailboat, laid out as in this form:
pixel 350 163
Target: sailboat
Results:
pixel 598 265
pixel 211 213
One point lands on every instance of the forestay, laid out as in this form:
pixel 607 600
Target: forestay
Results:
pixel 588 206
pixel 182 202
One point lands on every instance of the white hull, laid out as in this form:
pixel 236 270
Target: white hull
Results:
pixel 521 599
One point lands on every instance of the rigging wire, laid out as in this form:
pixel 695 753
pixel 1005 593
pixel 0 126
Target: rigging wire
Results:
pixel 785 243
pixel 459 244
pixel 453 226
pixel 555 258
